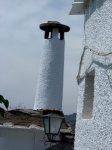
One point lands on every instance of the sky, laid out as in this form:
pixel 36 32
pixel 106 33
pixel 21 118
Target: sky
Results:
pixel 21 43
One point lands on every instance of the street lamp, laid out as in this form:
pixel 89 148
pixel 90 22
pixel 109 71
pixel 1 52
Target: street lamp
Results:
pixel 52 124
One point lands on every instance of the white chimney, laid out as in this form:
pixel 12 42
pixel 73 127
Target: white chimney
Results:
pixel 50 81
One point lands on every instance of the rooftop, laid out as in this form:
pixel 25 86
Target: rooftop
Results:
pixel 78 7
pixel 27 118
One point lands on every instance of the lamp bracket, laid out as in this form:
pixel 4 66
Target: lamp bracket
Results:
pixel 52 141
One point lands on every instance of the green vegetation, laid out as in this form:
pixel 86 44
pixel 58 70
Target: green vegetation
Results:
pixel 5 102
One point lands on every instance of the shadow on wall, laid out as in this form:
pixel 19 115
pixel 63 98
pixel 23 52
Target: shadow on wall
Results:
pixel 61 147
pixel 96 4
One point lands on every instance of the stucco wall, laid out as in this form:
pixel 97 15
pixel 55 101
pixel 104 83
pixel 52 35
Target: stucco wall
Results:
pixel 95 133
pixel 21 139
pixel 50 81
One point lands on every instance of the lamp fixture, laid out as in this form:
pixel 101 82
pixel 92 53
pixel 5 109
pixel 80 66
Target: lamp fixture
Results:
pixel 52 124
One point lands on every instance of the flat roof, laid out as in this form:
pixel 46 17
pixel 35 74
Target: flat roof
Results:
pixel 27 118
pixel 78 7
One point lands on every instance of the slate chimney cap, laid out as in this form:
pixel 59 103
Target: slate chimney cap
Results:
pixel 54 24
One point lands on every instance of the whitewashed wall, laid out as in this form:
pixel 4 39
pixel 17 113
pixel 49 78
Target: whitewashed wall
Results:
pixel 50 81
pixel 95 133
pixel 21 139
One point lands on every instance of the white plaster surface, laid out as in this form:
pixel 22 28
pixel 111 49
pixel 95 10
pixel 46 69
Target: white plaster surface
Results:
pixel 21 139
pixel 96 133
pixel 50 81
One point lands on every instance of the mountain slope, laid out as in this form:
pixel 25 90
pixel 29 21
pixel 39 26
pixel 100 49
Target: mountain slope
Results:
pixel 71 119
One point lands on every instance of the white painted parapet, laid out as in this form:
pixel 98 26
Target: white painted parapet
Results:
pixel 50 81
pixel 22 138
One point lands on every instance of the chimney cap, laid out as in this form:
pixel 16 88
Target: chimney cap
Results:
pixel 54 24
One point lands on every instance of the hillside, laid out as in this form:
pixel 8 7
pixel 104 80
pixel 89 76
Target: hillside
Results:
pixel 71 119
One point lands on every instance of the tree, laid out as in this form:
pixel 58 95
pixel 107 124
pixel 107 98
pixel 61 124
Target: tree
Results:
pixel 5 102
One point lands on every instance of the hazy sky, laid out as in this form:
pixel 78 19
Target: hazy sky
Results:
pixel 21 43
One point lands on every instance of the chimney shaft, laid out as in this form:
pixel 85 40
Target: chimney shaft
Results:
pixel 50 81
